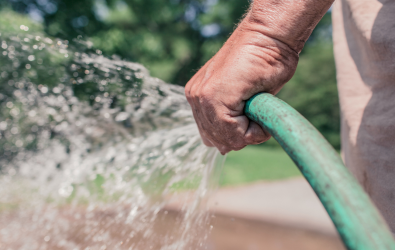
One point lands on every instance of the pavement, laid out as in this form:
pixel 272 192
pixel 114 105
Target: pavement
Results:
pixel 290 203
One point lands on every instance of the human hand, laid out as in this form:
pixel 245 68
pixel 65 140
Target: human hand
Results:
pixel 260 56
pixel 248 63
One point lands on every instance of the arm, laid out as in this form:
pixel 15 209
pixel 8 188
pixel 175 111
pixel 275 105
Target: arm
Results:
pixel 260 56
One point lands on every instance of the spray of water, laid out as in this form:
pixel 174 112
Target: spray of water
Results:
pixel 91 151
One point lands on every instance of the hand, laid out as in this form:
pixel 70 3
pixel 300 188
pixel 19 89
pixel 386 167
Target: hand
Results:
pixel 248 63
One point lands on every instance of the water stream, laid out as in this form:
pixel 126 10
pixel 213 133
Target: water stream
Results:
pixel 92 149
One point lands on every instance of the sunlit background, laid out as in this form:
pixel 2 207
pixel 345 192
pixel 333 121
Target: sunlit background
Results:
pixel 173 39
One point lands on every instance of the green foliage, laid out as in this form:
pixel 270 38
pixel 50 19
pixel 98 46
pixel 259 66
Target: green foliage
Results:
pixel 255 163
pixel 36 68
pixel 10 22
pixel 174 38
pixel 29 63
pixel 313 91
pixel 166 36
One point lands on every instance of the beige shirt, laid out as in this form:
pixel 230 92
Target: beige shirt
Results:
pixel 364 42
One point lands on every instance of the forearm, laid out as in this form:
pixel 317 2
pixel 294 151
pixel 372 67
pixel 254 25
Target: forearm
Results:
pixel 260 56
pixel 289 21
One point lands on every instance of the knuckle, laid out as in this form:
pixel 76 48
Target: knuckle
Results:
pixel 207 90
pixel 235 142
pixel 253 138
pixel 187 92
pixel 189 97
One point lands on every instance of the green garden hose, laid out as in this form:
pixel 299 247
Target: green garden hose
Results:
pixel 357 220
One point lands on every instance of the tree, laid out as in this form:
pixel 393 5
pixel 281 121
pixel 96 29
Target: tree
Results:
pixel 174 38
pixel 313 91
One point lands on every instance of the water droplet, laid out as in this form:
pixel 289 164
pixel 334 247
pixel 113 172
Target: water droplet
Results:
pixel 9 105
pixel 14 112
pixel 71 132
pixel 19 143
pixel 48 40
pixel 122 116
pixel 23 27
pixel 14 130
pixel 66 190
pixel 32 113
pixel 11 172
pixel 34 128
pixel 44 90
pixel 56 90
pixel 3 125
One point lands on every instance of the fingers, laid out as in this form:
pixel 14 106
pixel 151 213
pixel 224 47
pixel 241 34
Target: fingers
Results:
pixel 226 133
pixel 205 140
pixel 232 133
pixel 246 133
pixel 203 135
pixel 209 143
pixel 209 135
pixel 255 134
pixel 219 126
pixel 222 148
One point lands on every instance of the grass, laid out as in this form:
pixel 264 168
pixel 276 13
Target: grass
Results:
pixel 255 163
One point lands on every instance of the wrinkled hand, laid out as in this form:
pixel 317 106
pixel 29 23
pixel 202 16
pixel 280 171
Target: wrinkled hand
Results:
pixel 248 63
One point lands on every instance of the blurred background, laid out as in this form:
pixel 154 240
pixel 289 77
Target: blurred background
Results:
pixel 173 39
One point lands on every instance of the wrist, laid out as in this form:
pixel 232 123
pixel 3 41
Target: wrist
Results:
pixel 290 22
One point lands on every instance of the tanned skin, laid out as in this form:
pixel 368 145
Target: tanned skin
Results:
pixel 260 56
